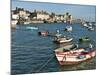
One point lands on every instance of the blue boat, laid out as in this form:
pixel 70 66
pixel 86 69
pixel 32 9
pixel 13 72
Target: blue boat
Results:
pixel 32 28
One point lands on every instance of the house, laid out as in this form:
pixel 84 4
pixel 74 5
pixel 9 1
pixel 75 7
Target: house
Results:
pixel 15 16
pixel 21 12
pixel 41 15
pixel 24 14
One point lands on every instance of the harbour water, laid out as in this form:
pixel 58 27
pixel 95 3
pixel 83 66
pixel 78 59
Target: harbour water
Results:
pixel 29 51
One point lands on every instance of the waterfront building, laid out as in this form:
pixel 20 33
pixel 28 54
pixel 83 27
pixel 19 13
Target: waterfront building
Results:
pixel 42 15
pixel 15 16
pixel 24 14
pixel 59 17
pixel 21 12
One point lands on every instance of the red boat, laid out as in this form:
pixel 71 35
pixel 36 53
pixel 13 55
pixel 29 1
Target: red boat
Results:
pixel 74 56
pixel 43 33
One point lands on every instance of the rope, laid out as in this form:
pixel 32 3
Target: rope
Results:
pixel 45 64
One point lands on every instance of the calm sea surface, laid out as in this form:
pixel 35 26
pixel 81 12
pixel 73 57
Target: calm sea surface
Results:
pixel 29 51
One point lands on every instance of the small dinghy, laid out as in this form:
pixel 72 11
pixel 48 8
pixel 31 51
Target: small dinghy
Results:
pixel 90 28
pixel 55 34
pixel 62 39
pixel 32 28
pixel 68 28
pixel 85 25
pixel 43 33
pixel 84 39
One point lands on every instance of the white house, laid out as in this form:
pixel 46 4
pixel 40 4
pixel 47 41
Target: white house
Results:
pixel 15 16
pixel 23 14
pixel 42 16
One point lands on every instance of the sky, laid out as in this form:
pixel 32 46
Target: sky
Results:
pixel 87 12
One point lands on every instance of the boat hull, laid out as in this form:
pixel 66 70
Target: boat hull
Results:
pixel 63 41
pixel 73 63
pixel 68 28
pixel 84 40
pixel 31 28
pixel 68 58
pixel 43 33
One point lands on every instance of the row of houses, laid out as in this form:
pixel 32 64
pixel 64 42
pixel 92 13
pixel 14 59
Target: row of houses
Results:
pixel 22 15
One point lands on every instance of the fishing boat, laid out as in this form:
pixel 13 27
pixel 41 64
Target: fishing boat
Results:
pixel 43 33
pixel 85 25
pixel 90 24
pixel 55 34
pixel 62 39
pixel 69 55
pixel 90 28
pixel 84 39
pixel 68 28
pixel 32 28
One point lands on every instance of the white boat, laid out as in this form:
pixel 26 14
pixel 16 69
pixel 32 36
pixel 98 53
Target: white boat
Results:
pixel 32 28
pixel 54 34
pixel 57 34
pixel 90 24
pixel 85 25
pixel 62 39
pixel 67 56
pixel 90 28
pixel 68 28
